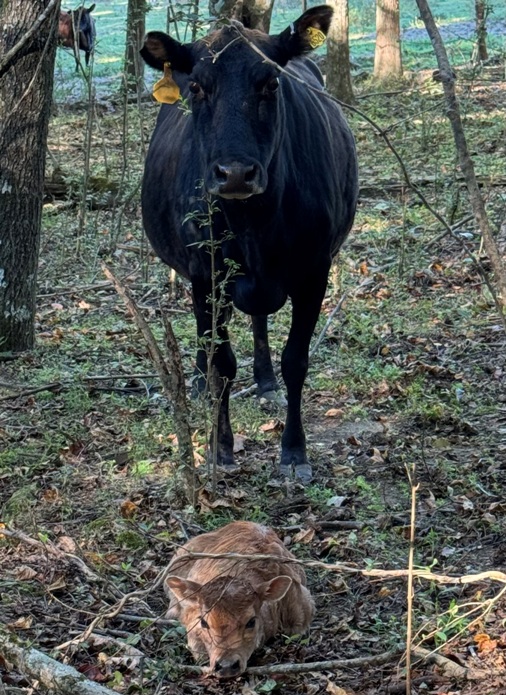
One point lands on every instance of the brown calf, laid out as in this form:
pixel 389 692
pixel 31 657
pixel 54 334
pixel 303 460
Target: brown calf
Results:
pixel 231 607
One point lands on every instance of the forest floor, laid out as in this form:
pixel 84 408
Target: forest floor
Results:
pixel 410 377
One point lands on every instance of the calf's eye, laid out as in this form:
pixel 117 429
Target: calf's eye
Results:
pixel 251 623
pixel 195 88
pixel 204 624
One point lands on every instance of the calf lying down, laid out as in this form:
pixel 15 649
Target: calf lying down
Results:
pixel 231 607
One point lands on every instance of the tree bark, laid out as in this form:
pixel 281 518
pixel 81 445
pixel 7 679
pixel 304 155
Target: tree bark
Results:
pixel 466 163
pixel 254 14
pixel 338 54
pixel 26 85
pixel 481 28
pixel 51 674
pixel 387 54
pixel 136 28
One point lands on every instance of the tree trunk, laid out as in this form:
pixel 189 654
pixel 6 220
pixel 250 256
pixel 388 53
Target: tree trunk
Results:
pixel 338 53
pixel 27 48
pixel 481 28
pixel 136 28
pixel 254 14
pixel 387 55
pixel 466 163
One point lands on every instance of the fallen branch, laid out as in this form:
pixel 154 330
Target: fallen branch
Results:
pixel 450 668
pixel 360 662
pixel 173 382
pixel 52 674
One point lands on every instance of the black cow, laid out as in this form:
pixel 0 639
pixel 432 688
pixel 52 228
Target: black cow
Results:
pixel 277 161
pixel 76 30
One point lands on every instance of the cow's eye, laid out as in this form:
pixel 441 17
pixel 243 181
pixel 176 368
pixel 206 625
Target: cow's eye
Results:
pixel 272 84
pixel 251 623
pixel 195 88
pixel 204 624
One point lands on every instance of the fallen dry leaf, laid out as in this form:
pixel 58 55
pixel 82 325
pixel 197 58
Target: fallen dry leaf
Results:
pixel 128 509
pixel 485 644
pixel 334 412
pixel 67 544
pixel 23 623
pixel 24 573
pixel 306 535
pixel 272 426
pixel 334 689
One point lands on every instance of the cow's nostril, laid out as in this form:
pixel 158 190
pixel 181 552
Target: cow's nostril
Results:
pixel 217 666
pixel 250 173
pixel 221 173
pixel 236 666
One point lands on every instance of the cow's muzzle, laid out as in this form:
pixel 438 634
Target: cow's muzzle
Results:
pixel 236 180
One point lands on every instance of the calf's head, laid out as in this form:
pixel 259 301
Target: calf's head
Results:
pixel 235 96
pixel 225 618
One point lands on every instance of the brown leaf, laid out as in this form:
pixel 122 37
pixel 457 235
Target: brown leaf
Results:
pixel 23 623
pixel 334 412
pixel 128 509
pixel 304 536
pixel 272 426
pixel 50 496
pixel 24 573
pixel 207 504
pixel 334 689
pixel 485 644
pixel 59 583
pixel 84 305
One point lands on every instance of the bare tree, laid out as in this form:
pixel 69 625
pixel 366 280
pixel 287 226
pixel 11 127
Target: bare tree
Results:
pixel 136 28
pixel 254 14
pixel 387 54
pixel 27 55
pixel 447 78
pixel 482 10
pixel 338 53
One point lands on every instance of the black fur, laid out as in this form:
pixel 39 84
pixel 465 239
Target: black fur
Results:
pixel 295 153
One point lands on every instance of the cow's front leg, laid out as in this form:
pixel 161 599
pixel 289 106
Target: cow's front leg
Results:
pixel 216 365
pixel 306 305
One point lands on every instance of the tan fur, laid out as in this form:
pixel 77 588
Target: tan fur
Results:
pixel 226 594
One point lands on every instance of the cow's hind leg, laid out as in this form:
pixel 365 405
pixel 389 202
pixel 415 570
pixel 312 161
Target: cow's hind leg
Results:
pixel 306 305
pixel 216 366
pixel 263 372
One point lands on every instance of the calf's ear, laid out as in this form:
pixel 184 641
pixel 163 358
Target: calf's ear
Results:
pixel 91 8
pixel 275 589
pixel 160 48
pixel 183 589
pixel 305 34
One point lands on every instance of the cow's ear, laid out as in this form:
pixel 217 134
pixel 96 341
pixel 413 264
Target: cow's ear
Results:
pixel 160 48
pixel 91 8
pixel 306 33
pixel 183 589
pixel 275 589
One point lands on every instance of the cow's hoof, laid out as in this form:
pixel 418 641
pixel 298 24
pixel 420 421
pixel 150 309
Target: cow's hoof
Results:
pixel 302 472
pixel 274 396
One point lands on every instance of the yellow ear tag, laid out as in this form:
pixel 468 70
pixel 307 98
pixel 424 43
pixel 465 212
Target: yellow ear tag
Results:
pixel 316 37
pixel 166 90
